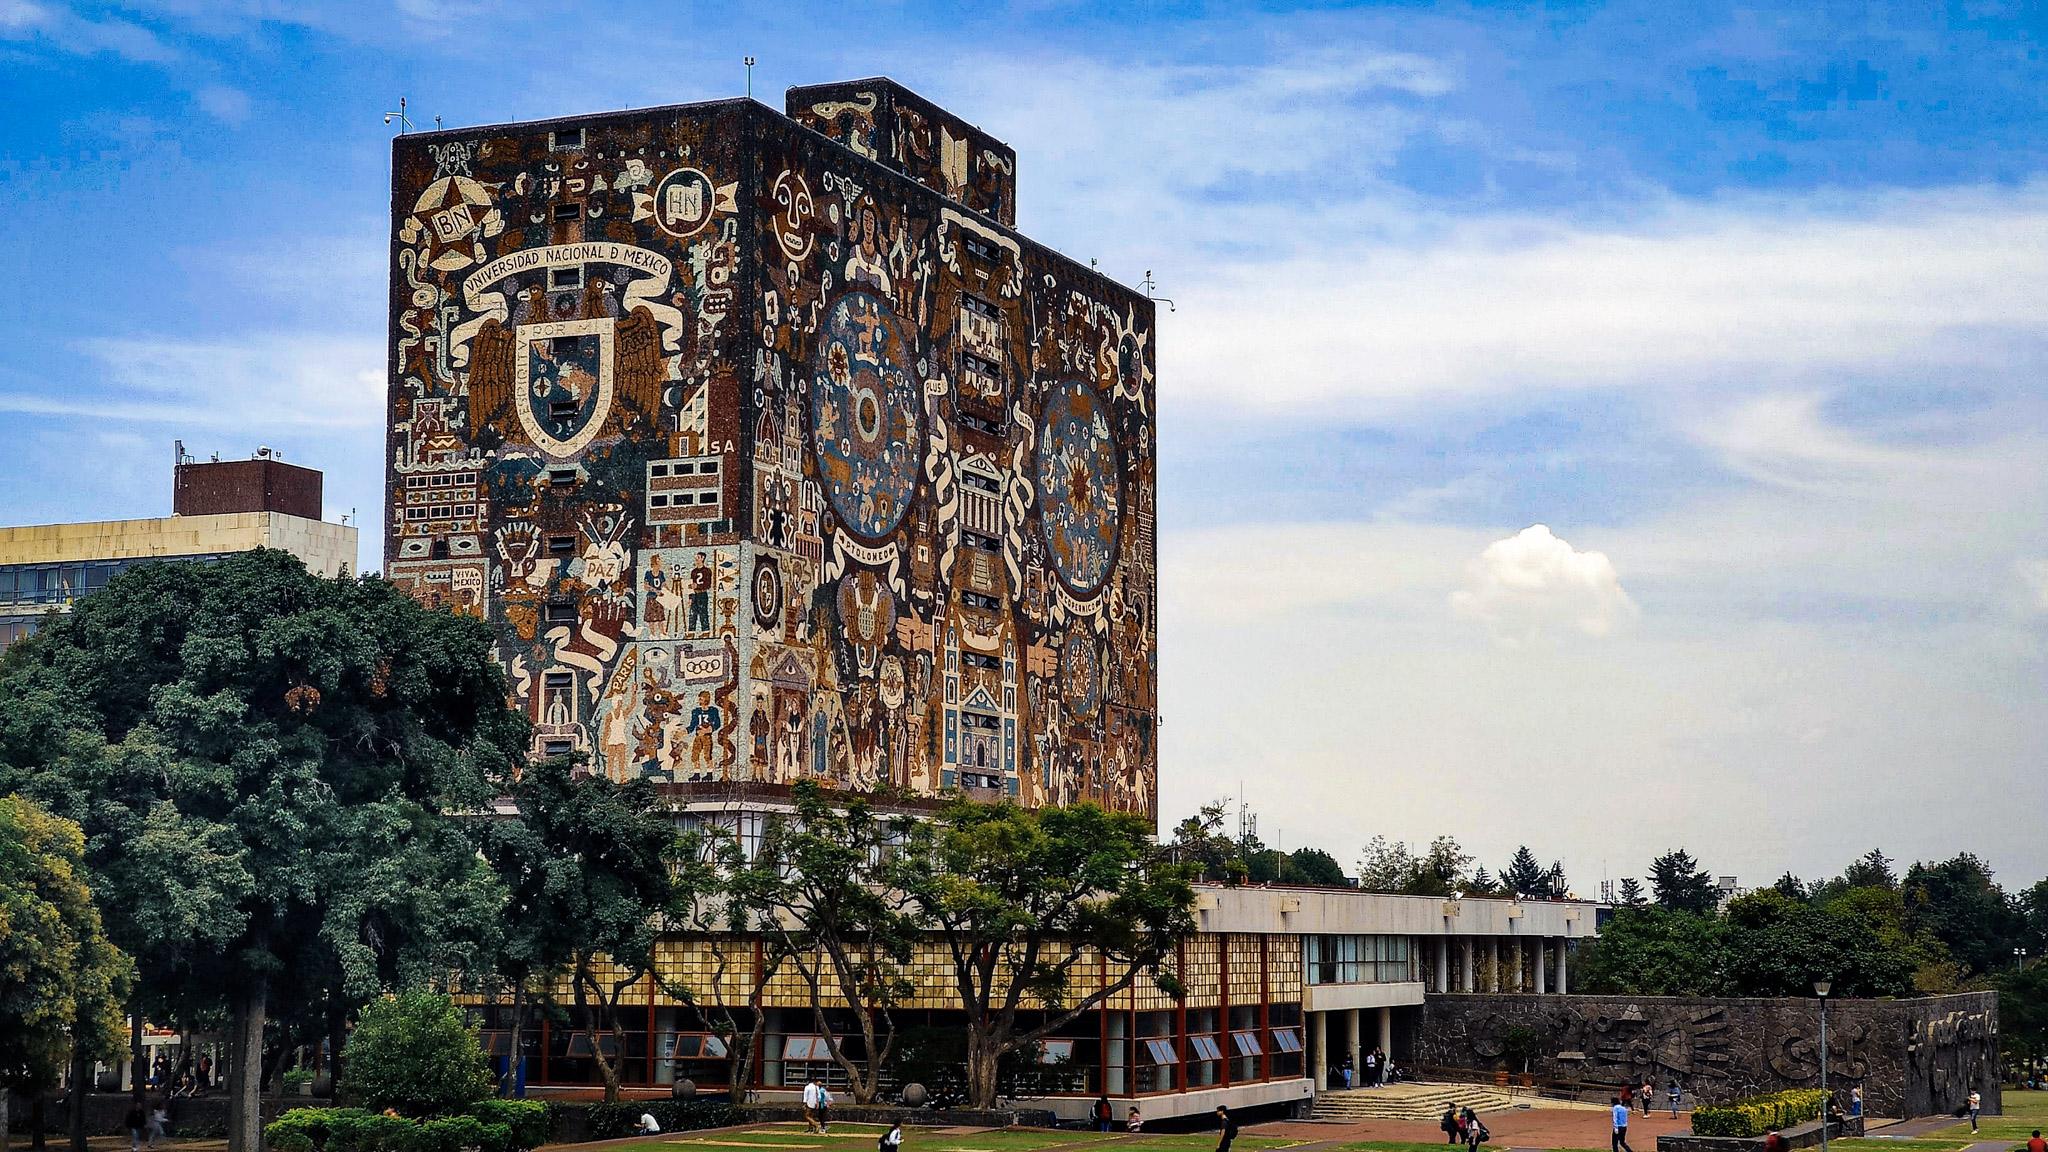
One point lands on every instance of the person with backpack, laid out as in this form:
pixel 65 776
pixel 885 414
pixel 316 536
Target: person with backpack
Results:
pixel 1476 1133
pixel 133 1123
pixel 1449 1124
pixel 1228 1127
pixel 892 1140
pixel 1104 1116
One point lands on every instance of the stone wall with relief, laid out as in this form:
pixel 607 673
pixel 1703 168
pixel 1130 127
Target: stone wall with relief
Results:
pixel 770 462
pixel 1911 1057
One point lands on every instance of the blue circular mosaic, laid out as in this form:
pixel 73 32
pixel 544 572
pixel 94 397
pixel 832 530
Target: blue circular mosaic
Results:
pixel 864 417
pixel 1080 486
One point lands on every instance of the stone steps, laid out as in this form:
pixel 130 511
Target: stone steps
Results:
pixel 1406 1101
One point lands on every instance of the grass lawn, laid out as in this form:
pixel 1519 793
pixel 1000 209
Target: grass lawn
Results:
pixel 2024 1112
pixel 860 1138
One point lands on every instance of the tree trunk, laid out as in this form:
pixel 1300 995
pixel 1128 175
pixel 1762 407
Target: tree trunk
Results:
pixel 245 1075
pixel 5 1091
pixel 510 1085
pixel 81 1086
pixel 983 1061
pixel 136 1055
pixel 35 1121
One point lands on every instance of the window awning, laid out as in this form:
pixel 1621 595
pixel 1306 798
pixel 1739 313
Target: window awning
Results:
pixel 1161 1052
pixel 1287 1039
pixel 1205 1048
pixel 806 1048
pixel 1055 1051
pixel 1246 1043
pixel 693 1046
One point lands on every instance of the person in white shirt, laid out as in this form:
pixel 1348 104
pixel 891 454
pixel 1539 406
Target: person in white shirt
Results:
pixel 1976 1105
pixel 648 1125
pixel 892 1140
pixel 812 1092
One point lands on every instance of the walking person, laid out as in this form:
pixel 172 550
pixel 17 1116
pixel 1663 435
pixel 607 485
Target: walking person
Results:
pixel 1104 1116
pixel 1619 1142
pixel 1449 1123
pixel 1475 1131
pixel 1228 1127
pixel 824 1110
pixel 1648 1096
pixel 1379 1067
pixel 811 1094
pixel 892 1140
pixel 1856 1103
pixel 133 1122
pixel 1628 1097
pixel 158 1117
pixel 1674 1093
pixel 1976 1103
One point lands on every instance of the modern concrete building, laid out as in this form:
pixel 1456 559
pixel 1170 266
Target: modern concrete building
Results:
pixel 238 506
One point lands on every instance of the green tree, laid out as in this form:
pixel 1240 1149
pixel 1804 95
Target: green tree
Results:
pixel 1790 886
pixel 1778 945
pixel 302 741
pixel 849 936
pixel 593 866
pixel 415 1053
pixel 1024 900
pixel 1652 951
pixel 1201 842
pixel 1681 885
pixel 1386 866
pixel 1957 903
pixel 1314 866
pixel 61 979
pixel 2023 1014
pixel 1482 883
pixel 1524 876
pixel 1873 869
pixel 1631 892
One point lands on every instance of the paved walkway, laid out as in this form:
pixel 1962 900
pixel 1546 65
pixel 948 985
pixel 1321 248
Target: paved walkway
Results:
pixel 1511 1128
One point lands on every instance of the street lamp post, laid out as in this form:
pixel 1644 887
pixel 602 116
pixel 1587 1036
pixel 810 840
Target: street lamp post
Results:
pixel 2019 959
pixel 1820 989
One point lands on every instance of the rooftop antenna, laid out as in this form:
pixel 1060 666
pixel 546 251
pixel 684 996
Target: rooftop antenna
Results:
pixel 750 77
pixel 404 121
pixel 1148 284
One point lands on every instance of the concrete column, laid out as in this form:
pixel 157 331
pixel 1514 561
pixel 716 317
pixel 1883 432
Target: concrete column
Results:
pixel 1542 964
pixel 1493 963
pixel 1465 983
pixel 1387 1031
pixel 1319 1040
pixel 1443 965
pixel 1351 1044
pixel 1515 982
pixel 1564 950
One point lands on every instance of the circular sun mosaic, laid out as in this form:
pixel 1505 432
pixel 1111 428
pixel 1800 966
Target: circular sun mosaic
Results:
pixel 864 417
pixel 1080 486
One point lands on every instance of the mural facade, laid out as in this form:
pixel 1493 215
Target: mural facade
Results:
pixel 1910 1057
pixel 768 462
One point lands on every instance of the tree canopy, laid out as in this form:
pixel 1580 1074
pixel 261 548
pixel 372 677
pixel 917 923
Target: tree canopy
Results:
pixel 260 760
pixel 1681 885
pixel 414 1053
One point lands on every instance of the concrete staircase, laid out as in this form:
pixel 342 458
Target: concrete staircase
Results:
pixel 1406 1101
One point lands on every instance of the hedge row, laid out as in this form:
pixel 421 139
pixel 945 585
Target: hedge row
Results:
pixel 486 1126
pixel 591 1121
pixel 1756 1115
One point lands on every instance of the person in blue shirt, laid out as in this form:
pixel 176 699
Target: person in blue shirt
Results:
pixel 1620 1141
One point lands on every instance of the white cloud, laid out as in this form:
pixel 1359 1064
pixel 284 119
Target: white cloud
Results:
pixel 259 381
pixel 2034 573
pixel 68 32
pixel 1692 295
pixel 1532 583
pixel 228 105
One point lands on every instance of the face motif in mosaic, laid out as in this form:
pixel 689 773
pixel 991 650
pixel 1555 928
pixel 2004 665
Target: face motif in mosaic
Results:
pixel 1078 484
pixel 864 417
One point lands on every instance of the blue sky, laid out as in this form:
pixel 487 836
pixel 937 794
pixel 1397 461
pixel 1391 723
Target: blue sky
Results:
pixel 1742 303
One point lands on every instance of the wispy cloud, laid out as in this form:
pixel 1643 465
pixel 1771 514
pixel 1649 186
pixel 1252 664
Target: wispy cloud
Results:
pixel 26 20
pixel 264 380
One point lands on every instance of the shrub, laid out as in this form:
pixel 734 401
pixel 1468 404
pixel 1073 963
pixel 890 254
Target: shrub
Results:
pixel 1756 1115
pixel 491 1126
pixel 605 1121
pixel 415 1053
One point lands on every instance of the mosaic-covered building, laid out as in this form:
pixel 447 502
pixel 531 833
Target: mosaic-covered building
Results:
pixel 773 452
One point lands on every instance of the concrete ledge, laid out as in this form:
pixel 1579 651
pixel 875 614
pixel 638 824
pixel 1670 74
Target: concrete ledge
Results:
pixel 896 1114
pixel 1801 1136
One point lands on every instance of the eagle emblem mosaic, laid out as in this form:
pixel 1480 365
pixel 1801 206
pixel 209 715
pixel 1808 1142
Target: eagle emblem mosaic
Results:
pixel 770 451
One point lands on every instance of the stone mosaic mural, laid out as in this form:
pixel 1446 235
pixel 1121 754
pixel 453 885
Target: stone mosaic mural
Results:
pixel 768 462
pixel 1910 1057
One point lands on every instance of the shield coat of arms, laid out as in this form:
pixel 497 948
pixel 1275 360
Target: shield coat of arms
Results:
pixel 565 383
